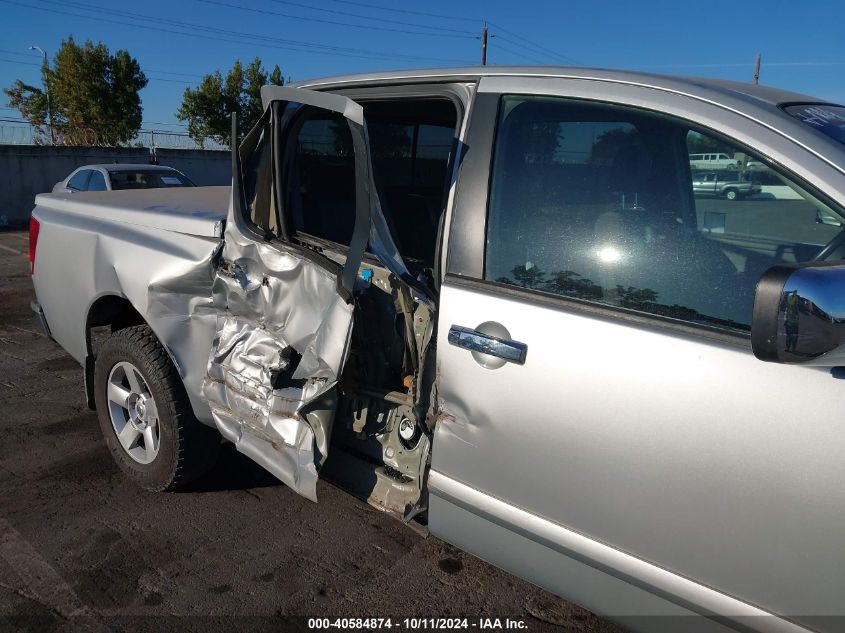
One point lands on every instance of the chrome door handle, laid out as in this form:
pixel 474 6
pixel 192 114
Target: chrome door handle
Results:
pixel 475 341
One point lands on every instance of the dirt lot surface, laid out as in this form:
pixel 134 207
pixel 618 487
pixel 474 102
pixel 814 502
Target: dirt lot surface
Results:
pixel 83 549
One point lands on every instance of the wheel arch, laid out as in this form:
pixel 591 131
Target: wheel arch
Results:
pixel 115 310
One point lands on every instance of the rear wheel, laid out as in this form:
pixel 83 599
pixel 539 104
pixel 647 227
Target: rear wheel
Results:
pixel 731 194
pixel 145 414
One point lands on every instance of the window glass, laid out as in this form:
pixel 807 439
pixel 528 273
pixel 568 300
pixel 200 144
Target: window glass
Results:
pixel 603 203
pixel 257 183
pixel 392 153
pixel 146 179
pixel 828 119
pixel 80 181
pixel 410 160
pixel 757 216
pixel 434 144
pixel 97 182
pixel 406 155
pixel 321 182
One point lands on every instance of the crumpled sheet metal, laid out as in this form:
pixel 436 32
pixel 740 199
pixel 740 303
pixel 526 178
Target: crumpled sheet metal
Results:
pixel 166 276
pixel 270 300
pixel 180 309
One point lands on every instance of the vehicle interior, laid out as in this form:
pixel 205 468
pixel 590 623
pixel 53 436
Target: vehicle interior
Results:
pixel 596 202
pixel 126 179
pixel 380 436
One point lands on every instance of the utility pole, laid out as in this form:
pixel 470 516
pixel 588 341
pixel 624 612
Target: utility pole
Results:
pixel 757 70
pixel 46 91
pixel 484 46
pixel 153 155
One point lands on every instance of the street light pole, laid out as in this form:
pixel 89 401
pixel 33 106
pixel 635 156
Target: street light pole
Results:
pixel 46 91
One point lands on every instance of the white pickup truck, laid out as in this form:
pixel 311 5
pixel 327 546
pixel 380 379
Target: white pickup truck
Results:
pixel 487 300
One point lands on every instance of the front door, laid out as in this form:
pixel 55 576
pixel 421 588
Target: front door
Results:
pixel 284 311
pixel 606 431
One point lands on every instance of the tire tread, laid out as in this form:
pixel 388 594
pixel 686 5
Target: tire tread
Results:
pixel 197 444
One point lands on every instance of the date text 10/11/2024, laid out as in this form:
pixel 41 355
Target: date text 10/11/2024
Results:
pixel 489 624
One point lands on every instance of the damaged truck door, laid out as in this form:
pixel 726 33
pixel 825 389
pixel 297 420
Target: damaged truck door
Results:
pixel 284 311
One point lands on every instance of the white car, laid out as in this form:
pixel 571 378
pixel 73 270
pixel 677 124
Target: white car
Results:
pixel 711 161
pixel 117 176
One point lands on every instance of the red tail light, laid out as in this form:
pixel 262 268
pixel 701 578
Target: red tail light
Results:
pixel 34 226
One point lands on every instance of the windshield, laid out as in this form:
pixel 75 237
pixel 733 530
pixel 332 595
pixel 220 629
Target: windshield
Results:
pixel 147 179
pixel 828 119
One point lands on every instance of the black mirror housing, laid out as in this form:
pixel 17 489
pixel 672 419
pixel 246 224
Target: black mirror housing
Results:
pixel 799 312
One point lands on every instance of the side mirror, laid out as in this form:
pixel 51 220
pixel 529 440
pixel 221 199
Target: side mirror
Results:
pixel 799 313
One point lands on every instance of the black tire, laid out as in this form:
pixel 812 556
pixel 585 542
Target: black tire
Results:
pixel 187 447
pixel 731 194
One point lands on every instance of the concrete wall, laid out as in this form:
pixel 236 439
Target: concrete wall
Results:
pixel 27 170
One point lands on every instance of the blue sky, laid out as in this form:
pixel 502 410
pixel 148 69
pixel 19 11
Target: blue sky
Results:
pixel 177 41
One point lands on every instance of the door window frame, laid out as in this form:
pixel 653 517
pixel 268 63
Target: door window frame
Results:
pixel 459 92
pixel 467 239
pixel 286 136
pixel 274 101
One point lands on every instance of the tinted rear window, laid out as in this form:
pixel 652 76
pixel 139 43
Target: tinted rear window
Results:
pixel 828 119
pixel 147 179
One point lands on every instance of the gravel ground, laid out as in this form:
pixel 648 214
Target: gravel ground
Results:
pixel 83 549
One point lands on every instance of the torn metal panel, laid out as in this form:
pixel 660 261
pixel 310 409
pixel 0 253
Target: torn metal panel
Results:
pixel 282 338
pixel 181 312
pixel 164 275
pixel 285 316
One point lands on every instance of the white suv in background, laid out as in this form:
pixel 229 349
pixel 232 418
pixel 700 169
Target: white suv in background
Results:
pixel 711 161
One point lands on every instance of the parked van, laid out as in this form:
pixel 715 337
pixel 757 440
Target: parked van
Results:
pixel 711 161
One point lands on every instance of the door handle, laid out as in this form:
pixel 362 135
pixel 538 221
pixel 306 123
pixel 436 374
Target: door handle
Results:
pixel 475 341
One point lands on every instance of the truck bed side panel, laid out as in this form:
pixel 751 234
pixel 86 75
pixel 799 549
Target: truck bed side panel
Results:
pixel 165 275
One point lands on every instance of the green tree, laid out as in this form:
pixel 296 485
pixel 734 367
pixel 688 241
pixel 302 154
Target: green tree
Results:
pixel 209 107
pixel 93 95
pixel 699 143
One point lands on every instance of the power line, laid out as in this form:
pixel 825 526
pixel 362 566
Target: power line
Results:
pixel 406 11
pixel 153 70
pixel 16 61
pixel 534 50
pixel 334 22
pixel 515 52
pixel 368 17
pixel 170 72
pixel 162 123
pixel 285 44
pixel 178 81
pixel 528 44
pixel 3 50
pixel 173 81
pixel 311 47
pixel 527 53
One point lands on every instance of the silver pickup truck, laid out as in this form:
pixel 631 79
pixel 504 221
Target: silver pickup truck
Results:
pixel 487 301
pixel 724 184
